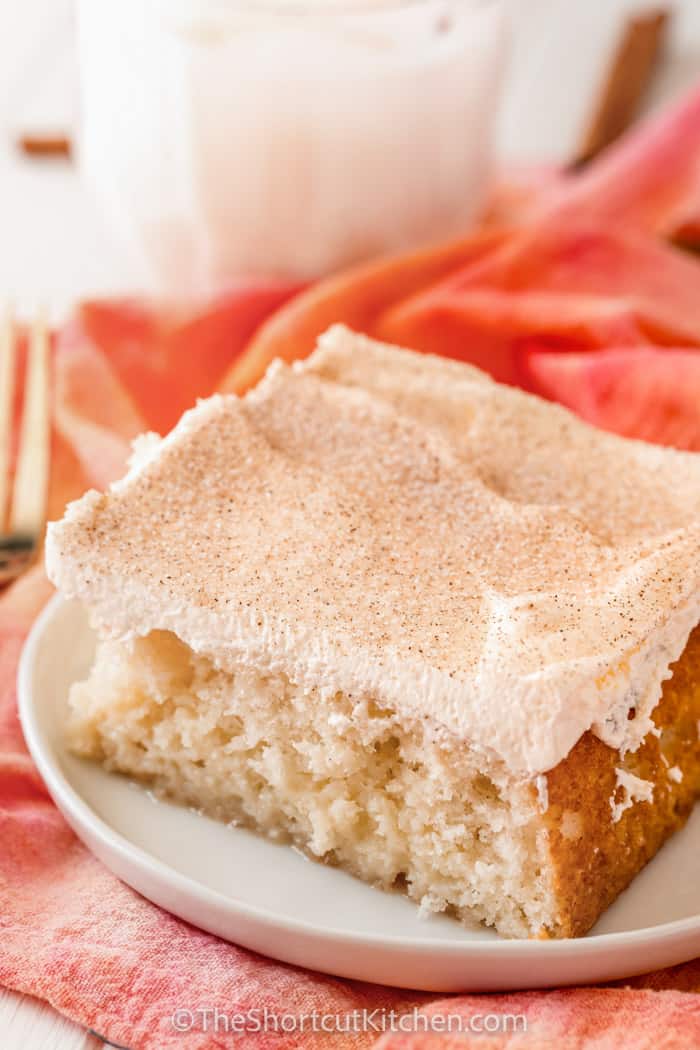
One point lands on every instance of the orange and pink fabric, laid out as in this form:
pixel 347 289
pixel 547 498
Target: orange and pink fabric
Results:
pixel 582 288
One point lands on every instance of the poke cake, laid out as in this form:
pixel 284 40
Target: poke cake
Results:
pixel 425 627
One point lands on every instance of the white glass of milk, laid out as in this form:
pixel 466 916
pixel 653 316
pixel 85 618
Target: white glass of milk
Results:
pixel 226 138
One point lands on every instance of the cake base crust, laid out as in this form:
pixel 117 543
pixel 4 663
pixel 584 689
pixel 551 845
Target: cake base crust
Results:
pixel 595 857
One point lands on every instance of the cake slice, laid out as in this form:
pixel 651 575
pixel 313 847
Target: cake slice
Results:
pixel 423 626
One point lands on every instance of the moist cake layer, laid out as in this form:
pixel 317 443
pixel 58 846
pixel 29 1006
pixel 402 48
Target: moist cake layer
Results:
pixel 351 783
pixel 343 779
pixel 394 526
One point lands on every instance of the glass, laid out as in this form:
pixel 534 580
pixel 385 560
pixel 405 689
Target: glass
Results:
pixel 228 138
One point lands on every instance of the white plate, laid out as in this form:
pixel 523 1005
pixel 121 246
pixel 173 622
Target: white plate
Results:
pixel 271 899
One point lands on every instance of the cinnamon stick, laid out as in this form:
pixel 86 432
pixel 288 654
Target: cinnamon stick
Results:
pixel 626 81
pixel 40 146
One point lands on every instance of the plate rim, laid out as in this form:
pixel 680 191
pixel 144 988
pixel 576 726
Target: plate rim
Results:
pixel 74 808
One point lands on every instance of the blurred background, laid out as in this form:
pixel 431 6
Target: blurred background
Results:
pixel 56 243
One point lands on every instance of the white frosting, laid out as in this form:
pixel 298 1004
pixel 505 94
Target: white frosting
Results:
pixel 633 789
pixel 382 522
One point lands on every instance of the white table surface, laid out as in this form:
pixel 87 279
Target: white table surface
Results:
pixel 55 247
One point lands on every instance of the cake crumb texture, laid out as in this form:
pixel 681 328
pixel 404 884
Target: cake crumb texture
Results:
pixel 346 780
